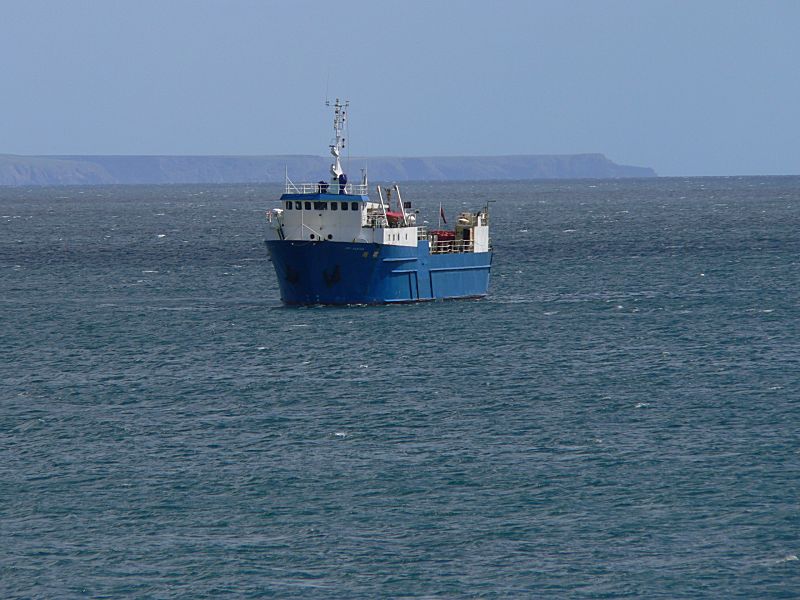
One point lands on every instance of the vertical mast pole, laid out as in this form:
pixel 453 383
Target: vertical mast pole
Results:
pixel 400 202
pixel 339 119
pixel 383 206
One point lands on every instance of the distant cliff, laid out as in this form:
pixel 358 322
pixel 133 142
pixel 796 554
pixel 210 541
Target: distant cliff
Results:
pixel 92 170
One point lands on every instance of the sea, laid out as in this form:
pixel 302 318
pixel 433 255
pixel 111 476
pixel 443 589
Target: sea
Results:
pixel 618 418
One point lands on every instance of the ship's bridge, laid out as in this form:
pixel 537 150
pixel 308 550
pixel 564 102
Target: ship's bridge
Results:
pixel 307 213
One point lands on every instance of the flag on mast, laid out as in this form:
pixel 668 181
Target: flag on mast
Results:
pixel 441 214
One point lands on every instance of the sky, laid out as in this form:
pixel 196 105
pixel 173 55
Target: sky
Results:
pixel 687 87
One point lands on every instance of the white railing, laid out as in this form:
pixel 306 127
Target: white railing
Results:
pixel 376 221
pixel 325 188
pixel 452 246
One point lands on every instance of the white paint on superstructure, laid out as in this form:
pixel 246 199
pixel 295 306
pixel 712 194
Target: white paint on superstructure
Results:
pixel 481 233
pixel 314 218
pixel 397 236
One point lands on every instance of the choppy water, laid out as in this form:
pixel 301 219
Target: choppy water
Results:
pixel 620 418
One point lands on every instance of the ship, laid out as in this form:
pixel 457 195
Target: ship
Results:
pixel 331 244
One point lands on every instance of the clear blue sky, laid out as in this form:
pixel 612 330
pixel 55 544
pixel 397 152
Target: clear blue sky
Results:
pixel 686 87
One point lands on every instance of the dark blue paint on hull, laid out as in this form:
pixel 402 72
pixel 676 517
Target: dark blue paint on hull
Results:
pixel 323 272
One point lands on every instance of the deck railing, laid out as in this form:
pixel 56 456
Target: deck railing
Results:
pixel 376 220
pixel 325 188
pixel 452 246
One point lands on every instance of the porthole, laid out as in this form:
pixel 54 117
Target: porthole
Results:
pixel 312 236
pixel 330 236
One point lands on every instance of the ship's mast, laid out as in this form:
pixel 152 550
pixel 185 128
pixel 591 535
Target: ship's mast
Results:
pixel 339 119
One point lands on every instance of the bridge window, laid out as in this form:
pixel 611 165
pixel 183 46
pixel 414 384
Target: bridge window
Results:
pixel 320 206
pixel 354 206
pixel 334 205
pixel 344 205
pixel 288 205
pixel 298 205
pixel 308 205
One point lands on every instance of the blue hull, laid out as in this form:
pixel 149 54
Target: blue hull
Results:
pixel 325 272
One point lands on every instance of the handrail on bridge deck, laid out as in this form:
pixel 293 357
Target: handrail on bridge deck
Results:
pixel 357 189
